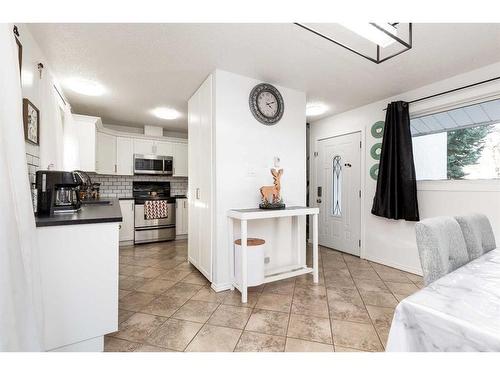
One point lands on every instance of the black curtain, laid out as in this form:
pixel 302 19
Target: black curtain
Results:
pixel 396 195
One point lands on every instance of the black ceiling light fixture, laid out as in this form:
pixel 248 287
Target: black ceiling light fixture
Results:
pixel 382 34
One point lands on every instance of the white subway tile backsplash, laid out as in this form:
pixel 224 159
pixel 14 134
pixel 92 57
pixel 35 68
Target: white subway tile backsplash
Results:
pixel 33 163
pixel 121 186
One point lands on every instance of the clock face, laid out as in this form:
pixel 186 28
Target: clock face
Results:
pixel 266 104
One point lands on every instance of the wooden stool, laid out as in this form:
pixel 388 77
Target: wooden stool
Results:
pixel 251 242
pixel 254 262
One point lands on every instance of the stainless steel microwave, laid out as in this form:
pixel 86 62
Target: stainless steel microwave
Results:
pixel 153 164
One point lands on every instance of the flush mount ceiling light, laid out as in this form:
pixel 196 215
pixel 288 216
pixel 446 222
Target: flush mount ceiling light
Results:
pixel 85 86
pixel 372 33
pixel 382 35
pixel 315 109
pixel 166 113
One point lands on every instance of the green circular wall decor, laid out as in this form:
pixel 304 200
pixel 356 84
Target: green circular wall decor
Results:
pixel 378 129
pixel 376 150
pixel 374 171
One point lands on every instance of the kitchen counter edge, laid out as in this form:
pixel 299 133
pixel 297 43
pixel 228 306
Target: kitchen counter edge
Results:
pixel 89 214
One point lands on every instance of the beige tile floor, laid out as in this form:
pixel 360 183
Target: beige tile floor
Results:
pixel 167 305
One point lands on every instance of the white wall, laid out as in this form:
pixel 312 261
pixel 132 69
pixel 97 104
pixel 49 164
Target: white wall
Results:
pixel 244 152
pixel 41 93
pixel 393 242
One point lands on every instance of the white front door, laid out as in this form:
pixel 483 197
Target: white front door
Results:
pixel 338 194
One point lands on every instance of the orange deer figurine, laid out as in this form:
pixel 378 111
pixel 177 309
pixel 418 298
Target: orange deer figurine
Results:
pixel 275 190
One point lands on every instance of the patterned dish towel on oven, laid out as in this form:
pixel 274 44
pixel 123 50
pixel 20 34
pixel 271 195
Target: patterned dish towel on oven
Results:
pixel 155 210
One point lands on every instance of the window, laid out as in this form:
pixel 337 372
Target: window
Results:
pixel 337 186
pixel 462 143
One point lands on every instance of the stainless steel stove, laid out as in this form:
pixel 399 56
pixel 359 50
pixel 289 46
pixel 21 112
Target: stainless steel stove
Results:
pixel 153 230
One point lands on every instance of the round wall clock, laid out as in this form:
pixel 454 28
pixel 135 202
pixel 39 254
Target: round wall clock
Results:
pixel 266 104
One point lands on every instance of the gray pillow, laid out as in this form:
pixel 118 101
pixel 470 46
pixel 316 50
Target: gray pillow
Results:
pixel 478 234
pixel 441 247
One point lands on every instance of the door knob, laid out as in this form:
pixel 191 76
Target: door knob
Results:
pixel 318 200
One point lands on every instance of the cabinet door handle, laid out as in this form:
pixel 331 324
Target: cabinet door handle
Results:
pixel 197 193
pixel 115 168
pixel 184 204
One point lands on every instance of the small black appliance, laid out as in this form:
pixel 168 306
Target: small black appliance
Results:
pixel 57 192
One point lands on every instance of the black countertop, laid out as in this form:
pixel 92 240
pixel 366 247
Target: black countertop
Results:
pixel 88 214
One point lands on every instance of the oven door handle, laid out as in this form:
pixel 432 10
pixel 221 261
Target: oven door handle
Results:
pixel 155 228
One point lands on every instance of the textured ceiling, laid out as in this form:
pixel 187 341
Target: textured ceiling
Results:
pixel 148 65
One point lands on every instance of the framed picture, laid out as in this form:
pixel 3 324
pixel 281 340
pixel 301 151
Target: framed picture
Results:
pixel 31 120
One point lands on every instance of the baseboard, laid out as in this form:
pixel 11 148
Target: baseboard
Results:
pixel 126 243
pixel 416 271
pixel 181 237
pixel 95 344
pixel 221 287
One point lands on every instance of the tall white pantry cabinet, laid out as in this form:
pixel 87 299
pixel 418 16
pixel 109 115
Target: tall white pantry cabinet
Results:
pixel 200 184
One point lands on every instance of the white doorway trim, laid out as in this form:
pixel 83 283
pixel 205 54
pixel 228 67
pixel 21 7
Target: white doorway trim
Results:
pixel 365 201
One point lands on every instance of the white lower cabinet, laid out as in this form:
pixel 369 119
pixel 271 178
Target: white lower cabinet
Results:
pixel 127 225
pixel 181 217
pixel 79 285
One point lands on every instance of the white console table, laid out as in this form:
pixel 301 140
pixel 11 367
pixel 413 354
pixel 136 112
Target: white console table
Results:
pixel 244 215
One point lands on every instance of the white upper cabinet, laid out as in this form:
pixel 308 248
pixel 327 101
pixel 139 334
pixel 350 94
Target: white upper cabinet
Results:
pixel 106 154
pixel 180 159
pixel 144 146
pixel 86 133
pixel 149 146
pixel 115 154
pixel 164 148
pixel 124 156
pixel 106 151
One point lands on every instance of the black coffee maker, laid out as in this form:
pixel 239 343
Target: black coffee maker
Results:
pixel 57 192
